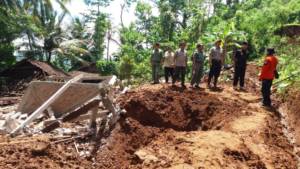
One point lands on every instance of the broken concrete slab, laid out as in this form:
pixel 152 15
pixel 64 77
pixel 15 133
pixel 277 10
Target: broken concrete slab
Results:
pixel 6 101
pixel 10 121
pixel 62 98
pixel 146 156
pixel 38 92
pixel 87 78
pixel 46 104
pixel 71 116
pixel 80 111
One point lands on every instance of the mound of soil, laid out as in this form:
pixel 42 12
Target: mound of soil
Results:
pixel 252 78
pixel 167 127
pixel 36 153
pixel 182 111
pixel 170 128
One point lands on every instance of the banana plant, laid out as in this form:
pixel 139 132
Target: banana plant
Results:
pixel 229 35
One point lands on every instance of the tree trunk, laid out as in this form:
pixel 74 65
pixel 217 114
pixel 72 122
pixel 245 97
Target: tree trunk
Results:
pixel 107 48
pixel 171 31
pixel 29 40
pixel 228 2
pixel 184 20
pixel 49 56
pixel 121 15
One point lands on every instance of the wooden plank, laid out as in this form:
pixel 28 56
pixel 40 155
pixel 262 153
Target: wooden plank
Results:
pixel 71 116
pixel 99 114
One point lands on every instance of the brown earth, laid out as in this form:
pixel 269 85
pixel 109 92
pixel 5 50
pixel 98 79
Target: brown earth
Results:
pixel 36 153
pixel 224 129
pixel 168 127
pixel 292 111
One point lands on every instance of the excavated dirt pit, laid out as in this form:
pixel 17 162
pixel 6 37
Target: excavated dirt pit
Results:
pixel 167 127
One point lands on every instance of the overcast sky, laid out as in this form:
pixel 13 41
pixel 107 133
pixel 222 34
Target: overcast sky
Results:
pixel 77 7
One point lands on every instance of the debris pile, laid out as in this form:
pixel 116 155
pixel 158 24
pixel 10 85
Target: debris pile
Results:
pixel 71 110
pixel 6 101
pixel 18 76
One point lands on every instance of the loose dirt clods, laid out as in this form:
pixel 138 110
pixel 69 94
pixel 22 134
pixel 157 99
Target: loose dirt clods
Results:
pixel 167 127
pixel 204 130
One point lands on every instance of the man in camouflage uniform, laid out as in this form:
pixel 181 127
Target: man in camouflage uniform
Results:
pixel 156 59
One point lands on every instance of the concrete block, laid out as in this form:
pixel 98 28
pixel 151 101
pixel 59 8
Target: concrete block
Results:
pixel 38 92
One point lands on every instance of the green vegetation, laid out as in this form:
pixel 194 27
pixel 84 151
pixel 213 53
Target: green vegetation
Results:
pixel 262 23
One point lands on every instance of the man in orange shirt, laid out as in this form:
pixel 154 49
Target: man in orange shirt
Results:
pixel 267 75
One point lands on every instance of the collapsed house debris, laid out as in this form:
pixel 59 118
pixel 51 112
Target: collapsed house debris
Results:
pixel 17 77
pixel 90 68
pixel 47 106
pixel 5 101
pixel 38 92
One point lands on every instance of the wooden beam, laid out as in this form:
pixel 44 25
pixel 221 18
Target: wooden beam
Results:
pixel 71 116
pixel 100 114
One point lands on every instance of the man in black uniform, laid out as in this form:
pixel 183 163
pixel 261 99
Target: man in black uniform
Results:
pixel 240 63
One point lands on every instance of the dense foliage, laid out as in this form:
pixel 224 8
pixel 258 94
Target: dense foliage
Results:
pixel 202 21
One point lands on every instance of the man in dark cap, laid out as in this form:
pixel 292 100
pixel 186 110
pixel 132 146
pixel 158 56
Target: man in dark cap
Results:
pixel 240 63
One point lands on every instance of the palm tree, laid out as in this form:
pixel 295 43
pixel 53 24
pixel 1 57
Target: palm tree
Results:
pixel 40 21
pixel 48 21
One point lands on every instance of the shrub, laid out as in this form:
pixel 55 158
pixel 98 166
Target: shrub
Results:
pixel 107 67
pixel 126 68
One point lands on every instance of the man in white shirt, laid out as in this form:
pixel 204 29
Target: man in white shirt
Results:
pixel 216 60
pixel 169 64
pixel 180 64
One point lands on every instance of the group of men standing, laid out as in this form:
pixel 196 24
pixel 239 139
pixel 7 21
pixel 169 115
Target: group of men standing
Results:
pixel 174 63
pixel 175 66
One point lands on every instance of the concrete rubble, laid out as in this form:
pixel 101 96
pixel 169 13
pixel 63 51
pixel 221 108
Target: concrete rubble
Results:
pixel 77 108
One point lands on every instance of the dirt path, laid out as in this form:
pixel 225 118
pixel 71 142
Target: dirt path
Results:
pixel 167 127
